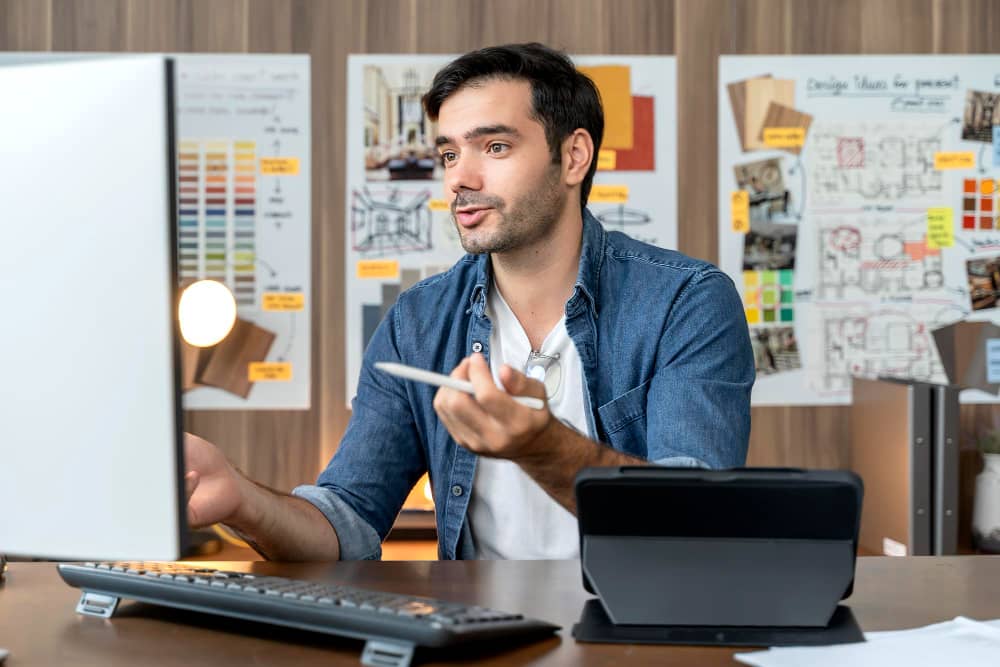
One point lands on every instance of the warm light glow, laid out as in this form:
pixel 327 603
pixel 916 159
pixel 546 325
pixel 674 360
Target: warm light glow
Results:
pixel 427 492
pixel 207 313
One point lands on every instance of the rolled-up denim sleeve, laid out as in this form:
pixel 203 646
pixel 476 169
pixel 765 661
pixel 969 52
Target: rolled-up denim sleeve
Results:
pixel 379 459
pixel 698 405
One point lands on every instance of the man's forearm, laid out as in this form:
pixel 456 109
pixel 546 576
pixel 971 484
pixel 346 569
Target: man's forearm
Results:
pixel 282 527
pixel 562 454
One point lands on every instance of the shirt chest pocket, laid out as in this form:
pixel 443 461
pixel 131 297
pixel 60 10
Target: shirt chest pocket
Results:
pixel 624 421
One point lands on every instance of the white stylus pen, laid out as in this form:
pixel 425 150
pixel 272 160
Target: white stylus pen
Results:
pixel 438 380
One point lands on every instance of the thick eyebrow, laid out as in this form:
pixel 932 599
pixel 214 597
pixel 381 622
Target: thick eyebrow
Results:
pixel 480 131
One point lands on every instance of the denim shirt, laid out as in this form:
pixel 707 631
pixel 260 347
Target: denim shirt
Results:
pixel 667 365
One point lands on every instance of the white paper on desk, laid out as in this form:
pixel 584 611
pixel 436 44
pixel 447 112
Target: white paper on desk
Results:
pixel 961 642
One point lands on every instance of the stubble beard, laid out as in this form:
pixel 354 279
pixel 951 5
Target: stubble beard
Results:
pixel 531 217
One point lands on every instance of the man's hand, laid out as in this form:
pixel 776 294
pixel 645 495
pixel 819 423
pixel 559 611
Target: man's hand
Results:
pixel 214 487
pixel 492 423
pixel 278 526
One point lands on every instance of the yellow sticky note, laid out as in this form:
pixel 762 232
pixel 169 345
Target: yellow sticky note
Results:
pixel 279 166
pixel 385 269
pixel 940 228
pixel 614 82
pixel 739 208
pixel 957 160
pixel 608 194
pixel 607 159
pixel 269 371
pixel 438 205
pixel 283 301
pixel 784 137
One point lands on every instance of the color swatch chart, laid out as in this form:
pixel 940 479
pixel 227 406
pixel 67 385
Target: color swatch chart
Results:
pixel 217 217
pixel 979 209
pixel 768 296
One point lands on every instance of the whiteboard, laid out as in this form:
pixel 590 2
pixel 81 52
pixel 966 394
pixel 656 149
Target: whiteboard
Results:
pixel 871 183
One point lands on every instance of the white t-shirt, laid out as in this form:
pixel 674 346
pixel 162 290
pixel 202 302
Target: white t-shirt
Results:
pixel 511 515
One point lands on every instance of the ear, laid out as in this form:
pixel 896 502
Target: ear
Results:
pixel 577 154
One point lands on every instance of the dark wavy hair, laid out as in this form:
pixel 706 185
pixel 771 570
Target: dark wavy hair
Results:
pixel 563 99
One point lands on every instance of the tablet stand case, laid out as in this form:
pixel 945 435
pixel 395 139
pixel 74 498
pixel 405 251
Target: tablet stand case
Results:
pixel 757 557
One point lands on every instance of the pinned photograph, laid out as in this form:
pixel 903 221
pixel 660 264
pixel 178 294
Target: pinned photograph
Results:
pixel 775 349
pixel 984 282
pixel 399 137
pixel 766 185
pixel 981 114
pixel 769 246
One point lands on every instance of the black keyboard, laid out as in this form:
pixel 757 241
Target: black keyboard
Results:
pixel 392 624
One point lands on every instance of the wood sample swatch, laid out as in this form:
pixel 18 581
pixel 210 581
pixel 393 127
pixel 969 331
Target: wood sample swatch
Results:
pixel 227 366
pixel 760 94
pixel 778 115
pixel 738 103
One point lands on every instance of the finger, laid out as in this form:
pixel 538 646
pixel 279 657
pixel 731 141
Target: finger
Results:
pixel 518 384
pixel 481 378
pixel 461 372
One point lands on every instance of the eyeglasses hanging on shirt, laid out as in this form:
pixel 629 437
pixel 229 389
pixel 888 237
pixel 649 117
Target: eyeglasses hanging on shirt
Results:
pixel 547 370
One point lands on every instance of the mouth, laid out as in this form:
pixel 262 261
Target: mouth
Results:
pixel 471 216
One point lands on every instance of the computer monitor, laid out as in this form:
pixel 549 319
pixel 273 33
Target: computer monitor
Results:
pixel 91 455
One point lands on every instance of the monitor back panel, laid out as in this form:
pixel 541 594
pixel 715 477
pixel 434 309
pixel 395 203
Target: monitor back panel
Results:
pixel 89 411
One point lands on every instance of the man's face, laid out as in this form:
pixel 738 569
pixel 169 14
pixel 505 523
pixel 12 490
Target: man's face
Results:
pixel 505 192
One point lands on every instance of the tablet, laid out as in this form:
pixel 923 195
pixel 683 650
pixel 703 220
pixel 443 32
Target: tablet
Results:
pixel 740 547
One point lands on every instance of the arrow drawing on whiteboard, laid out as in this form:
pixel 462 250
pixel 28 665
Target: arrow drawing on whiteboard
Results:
pixel 277 147
pixel 291 339
pixel 979 160
pixel 953 121
pixel 274 274
pixel 798 168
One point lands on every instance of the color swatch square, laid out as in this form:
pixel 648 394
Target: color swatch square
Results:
pixel 786 315
pixel 753 315
pixel 751 278
pixel 968 222
pixel 969 186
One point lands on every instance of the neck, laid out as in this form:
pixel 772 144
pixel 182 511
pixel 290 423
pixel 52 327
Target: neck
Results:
pixel 537 280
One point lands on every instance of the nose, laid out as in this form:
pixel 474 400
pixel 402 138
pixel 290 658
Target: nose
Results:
pixel 465 174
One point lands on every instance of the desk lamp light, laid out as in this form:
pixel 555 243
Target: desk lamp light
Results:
pixel 207 313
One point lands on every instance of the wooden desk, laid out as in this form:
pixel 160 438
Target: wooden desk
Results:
pixel 39 626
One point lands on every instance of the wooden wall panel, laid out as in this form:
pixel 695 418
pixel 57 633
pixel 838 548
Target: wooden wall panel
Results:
pixel 26 25
pixel 284 448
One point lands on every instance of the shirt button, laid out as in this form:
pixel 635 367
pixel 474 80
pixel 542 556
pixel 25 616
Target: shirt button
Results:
pixel 477 347
pixel 456 490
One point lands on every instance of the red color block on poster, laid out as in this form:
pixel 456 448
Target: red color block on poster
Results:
pixel 641 157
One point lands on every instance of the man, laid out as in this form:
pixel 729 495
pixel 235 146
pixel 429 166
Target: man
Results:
pixel 641 354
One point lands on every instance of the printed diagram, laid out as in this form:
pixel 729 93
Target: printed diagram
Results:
pixel 390 222
pixel 880 342
pixel 867 162
pixel 631 221
pixel 866 257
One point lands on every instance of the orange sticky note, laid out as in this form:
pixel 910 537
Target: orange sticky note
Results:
pixel 385 269
pixel 269 371
pixel 614 82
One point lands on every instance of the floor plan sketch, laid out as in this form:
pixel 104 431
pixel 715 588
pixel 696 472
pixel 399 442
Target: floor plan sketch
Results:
pixel 870 162
pixel 874 256
pixel 889 341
